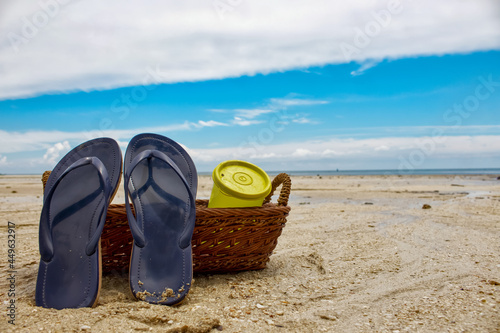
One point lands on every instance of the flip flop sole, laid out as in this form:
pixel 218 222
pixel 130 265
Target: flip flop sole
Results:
pixel 161 270
pixel 71 278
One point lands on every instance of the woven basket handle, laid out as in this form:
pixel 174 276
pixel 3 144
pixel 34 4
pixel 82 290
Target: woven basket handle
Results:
pixel 284 179
pixel 45 178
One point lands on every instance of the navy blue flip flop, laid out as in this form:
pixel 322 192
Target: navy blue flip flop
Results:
pixel 161 180
pixel 76 199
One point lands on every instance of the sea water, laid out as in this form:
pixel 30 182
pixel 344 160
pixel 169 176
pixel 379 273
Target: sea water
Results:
pixel 490 171
pixel 391 172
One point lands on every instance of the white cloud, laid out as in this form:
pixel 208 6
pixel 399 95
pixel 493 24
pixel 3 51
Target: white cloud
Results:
pixel 38 140
pixel 386 152
pixel 419 152
pixel 447 151
pixel 264 156
pixel 303 120
pixel 330 153
pixel 13 142
pixel 301 152
pixel 245 122
pixel 252 113
pixel 246 117
pixel 279 103
pixel 417 131
pixel 210 123
pixel 173 41
pixel 53 153
pixel 122 144
pixel 3 160
pixel 381 148
pixel 366 65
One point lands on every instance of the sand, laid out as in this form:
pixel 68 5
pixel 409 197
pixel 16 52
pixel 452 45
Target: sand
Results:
pixel 358 254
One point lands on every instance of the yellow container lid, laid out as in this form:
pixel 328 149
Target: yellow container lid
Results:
pixel 242 179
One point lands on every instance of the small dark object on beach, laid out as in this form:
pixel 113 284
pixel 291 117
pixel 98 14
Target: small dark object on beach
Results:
pixel 368 203
pixel 426 206
pixel 498 178
pixel 493 282
pixel 13 192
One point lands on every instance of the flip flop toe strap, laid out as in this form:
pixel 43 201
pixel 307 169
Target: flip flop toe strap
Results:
pixel 137 233
pixel 45 234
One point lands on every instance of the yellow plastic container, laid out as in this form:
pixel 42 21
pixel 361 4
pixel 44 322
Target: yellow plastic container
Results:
pixel 239 184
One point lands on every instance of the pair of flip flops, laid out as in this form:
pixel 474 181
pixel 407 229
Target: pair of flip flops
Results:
pixel 160 179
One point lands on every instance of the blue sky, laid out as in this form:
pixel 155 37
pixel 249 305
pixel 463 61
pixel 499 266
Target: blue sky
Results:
pixel 386 109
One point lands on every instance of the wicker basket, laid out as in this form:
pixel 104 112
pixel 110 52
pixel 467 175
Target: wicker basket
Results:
pixel 224 239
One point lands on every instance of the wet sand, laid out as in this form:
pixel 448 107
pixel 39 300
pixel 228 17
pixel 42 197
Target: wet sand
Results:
pixel 358 254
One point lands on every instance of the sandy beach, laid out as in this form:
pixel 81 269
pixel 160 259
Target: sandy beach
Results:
pixel 358 254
